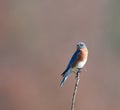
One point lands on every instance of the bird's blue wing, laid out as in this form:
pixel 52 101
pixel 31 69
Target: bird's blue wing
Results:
pixel 66 73
pixel 73 59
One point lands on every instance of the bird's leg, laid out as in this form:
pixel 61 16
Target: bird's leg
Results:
pixel 77 72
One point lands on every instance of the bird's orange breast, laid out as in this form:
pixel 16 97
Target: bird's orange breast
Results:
pixel 83 54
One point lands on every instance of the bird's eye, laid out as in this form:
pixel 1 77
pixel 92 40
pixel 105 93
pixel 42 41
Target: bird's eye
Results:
pixel 81 45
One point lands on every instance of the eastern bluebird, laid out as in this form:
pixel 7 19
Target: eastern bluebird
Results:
pixel 77 61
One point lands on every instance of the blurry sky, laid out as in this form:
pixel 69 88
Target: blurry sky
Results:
pixel 37 39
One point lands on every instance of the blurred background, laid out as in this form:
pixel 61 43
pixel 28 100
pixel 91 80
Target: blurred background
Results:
pixel 37 39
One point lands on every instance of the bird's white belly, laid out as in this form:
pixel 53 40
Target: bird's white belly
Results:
pixel 81 64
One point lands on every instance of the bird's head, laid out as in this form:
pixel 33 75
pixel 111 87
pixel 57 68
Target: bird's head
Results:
pixel 81 45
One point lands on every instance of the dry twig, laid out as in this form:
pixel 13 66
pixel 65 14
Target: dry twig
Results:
pixel 75 89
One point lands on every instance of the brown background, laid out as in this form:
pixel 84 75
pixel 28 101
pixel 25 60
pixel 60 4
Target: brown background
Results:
pixel 37 39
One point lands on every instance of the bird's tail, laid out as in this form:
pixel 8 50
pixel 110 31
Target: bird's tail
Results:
pixel 63 81
pixel 65 76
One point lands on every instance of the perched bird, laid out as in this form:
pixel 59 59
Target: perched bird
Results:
pixel 77 61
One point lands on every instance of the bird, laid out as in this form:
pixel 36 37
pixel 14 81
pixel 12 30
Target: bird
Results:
pixel 77 61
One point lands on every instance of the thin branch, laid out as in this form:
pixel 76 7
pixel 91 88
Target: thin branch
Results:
pixel 75 89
